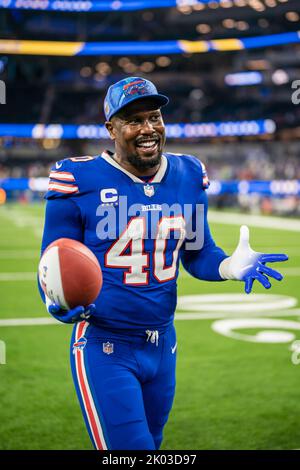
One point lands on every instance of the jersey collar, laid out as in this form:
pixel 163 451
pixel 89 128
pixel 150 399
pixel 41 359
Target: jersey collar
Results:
pixel 157 177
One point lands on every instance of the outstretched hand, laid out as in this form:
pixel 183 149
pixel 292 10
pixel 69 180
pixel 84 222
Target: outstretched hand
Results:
pixel 246 265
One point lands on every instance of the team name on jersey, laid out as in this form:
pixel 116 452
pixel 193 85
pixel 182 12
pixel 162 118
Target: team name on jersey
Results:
pixel 151 207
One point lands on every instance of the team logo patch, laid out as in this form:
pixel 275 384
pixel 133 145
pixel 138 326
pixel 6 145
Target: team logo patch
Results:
pixel 149 190
pixel 80 344
pixel 135 88
pixel 108 348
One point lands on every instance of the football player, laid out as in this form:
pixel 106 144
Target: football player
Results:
pixel 140 211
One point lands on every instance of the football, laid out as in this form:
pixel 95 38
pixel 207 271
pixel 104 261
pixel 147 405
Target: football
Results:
pixel 69 273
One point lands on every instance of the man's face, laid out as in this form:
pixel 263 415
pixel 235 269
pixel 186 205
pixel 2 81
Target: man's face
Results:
pixel 139 134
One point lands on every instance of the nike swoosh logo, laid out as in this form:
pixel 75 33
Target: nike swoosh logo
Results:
pixel 174 349
pixel 58 165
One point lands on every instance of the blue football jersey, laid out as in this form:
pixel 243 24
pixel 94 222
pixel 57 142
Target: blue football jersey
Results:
pixel 137 230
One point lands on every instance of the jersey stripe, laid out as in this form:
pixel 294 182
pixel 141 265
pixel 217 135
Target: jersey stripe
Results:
pixel 62 175
pixel 63 188
pixel 84 158
pixel 87 398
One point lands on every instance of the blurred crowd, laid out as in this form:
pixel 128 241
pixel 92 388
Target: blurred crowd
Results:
pixel 243 161
pixel 257 165
pixel 257 161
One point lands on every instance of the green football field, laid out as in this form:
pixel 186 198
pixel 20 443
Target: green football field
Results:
pixel 238 379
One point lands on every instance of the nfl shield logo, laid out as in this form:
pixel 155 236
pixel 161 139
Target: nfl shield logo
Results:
pixel 108 348
pixel 149 190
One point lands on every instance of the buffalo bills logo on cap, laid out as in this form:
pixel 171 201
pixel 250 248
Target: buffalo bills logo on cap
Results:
pixel 139 87
pixel 123 92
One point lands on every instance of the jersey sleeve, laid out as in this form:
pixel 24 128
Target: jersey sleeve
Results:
pixel 62 180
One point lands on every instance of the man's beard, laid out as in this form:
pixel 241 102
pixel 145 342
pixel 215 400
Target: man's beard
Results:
pixel 144 164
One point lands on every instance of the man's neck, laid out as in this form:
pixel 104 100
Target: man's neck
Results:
pixel 135 171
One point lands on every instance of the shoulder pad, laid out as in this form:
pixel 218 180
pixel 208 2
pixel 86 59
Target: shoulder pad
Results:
pixel 196 162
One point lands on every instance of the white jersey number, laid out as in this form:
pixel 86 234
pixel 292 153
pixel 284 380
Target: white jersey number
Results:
pixel 137 261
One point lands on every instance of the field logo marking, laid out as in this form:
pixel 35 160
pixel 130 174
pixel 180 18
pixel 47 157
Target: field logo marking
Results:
pixel 232 306
pixel 231 312
pixel 295 348
pixel 271 335
pixel 2 352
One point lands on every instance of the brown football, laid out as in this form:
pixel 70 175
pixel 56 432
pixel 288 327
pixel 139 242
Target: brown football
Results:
pixel 70 274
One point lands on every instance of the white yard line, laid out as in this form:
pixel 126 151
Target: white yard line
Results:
pixel 22 220
pixel 32 276
pixel 216 315
pixel 19 254
pixel 29 321
pixel 41 321
pixel 290 272
pixel 22 276
pixel 232 218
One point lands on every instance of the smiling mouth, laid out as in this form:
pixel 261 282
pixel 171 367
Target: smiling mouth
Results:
pixel 148 146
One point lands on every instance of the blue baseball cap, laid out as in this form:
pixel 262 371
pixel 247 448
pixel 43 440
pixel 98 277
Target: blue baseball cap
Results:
pixel 130 89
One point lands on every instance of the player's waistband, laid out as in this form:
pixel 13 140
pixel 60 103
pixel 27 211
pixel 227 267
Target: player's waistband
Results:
pixel 140 336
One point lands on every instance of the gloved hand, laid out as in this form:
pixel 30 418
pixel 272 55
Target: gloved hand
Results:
pixel 247 265
pixel 74 315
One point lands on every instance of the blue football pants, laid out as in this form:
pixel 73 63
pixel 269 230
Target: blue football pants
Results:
pixel 125 385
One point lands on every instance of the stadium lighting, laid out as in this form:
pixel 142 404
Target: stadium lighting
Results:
pixel 163 61
pixel 203 28
pixel 78 6
pixel 243 78
pixel 70 49
pixel 292 16
pixel 177 131
pixel 280 77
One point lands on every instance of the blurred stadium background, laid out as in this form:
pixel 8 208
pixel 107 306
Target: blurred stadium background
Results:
pixel 232 70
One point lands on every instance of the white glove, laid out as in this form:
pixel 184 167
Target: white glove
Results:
pixel 246 264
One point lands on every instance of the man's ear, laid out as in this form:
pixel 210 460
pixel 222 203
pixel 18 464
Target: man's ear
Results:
pixel 111 130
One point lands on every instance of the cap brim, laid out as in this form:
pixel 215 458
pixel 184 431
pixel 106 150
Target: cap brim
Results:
pixel 161 100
